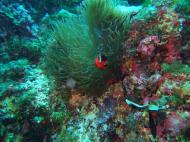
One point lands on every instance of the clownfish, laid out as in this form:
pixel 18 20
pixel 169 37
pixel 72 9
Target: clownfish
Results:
pixel 101 62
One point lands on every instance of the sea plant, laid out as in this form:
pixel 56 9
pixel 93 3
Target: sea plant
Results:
pixel 79 40
pixel 176 67
pixel 64 136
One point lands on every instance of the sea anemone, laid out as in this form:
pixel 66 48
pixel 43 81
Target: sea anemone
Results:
pixel 79 40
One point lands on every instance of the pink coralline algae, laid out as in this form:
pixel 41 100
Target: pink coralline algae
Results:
pixel 174 123
pixel 147 46
pixel 172 53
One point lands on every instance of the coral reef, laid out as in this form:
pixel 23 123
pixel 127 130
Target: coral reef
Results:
pixel 94 71
pixel 18 20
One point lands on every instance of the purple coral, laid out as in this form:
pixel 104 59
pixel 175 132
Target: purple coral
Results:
pixel 174 123
pixel 147 46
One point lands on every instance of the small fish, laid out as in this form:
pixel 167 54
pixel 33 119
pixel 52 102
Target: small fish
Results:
pixel 131 103
pixel 101 62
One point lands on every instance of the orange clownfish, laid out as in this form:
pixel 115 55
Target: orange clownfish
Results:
pixel 101 62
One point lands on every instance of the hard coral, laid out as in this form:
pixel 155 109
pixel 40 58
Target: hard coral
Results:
pixel 147 46
pixel 168 20
pixel 176 121
pixel 77 100
pixel 18 19
pixel 171 51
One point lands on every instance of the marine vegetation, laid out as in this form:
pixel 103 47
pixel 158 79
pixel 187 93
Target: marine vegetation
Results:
pixel 77 41
pixel 94 71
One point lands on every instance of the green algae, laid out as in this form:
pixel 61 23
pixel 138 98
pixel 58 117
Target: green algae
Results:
pixel 176 67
